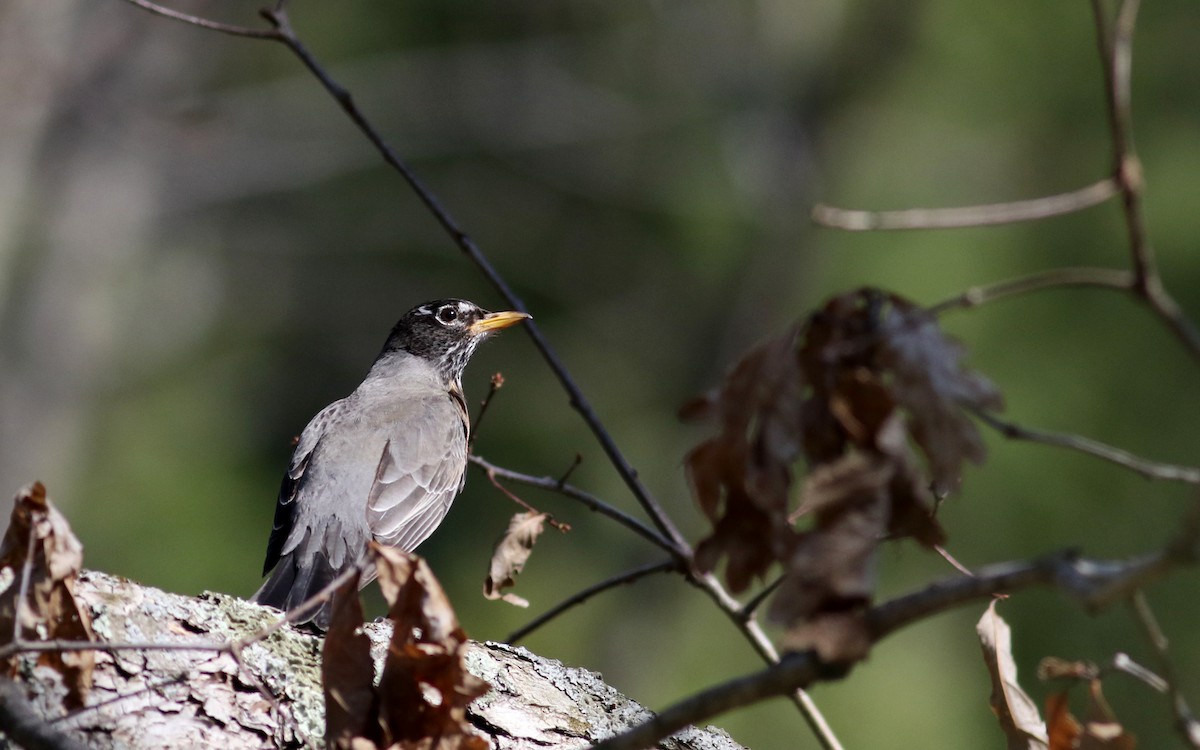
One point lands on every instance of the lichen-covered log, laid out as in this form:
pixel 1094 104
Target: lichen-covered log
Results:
pixel 271 696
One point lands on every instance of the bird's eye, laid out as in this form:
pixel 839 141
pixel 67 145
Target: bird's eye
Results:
pixel 447 314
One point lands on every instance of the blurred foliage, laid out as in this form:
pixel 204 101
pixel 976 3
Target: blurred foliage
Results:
pixel 197 252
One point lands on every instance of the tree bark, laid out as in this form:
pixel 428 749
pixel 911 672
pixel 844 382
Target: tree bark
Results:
pixel 272 697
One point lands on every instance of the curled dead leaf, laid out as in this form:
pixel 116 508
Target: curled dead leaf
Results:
pixel 1016 711
pixel 510 554
pixel 348 673
pixel 44 558
pixel 425 687
pixel 421 697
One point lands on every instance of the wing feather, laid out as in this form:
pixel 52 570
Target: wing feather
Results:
pixel 419 473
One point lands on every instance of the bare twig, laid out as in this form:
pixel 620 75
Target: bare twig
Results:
pixel 1185 720
pixel 1095 583
pixel 629 576
pixel 1058 278
pixel 589 501
pixel 571 469
pixel 954 563
pixel 205 23
pixel 750 608
pixel 1116 54
pixel 495 384
pixel 766 650
pixel 966 216
pixel 491 475
pixel 1122 663
pixel 1146 468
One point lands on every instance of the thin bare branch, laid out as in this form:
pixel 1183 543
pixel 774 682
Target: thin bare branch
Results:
pixel 205 23
pixel 750 608
pixel 758 639
pixel 1122 663
pixel 1057 278
pixel 589 501
pixel 966 216
pixel 1146 468
pixel 629 576
pixel 1185 721
pixel 495 384
pixel 954 563
pixel 1095 583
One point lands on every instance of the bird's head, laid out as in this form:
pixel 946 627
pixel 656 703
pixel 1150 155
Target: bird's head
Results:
pixel 445 332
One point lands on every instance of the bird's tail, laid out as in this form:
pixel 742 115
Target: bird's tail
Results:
pixel 299 576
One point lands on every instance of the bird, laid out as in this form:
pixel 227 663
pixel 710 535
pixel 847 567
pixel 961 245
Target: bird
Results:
pixel 383 463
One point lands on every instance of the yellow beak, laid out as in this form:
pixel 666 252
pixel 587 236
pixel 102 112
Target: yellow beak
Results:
pixel 497 320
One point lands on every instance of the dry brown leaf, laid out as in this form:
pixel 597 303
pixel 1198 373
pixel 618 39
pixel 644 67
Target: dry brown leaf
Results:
pixel 1053 668
pixel 1102 731
pixel 829 579
pixel 834 636
pixel 422 695
pixel 1061 725
pixel 49 610
pixel 510 554
pixel 425 687
pixel 742 476
pixel 871 392
pixel 1016 711
pixel 930 383
pixel 348 674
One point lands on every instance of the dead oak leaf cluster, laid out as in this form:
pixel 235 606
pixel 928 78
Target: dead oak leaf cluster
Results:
pixel 421 698
pixel 40 558
pixel 871 393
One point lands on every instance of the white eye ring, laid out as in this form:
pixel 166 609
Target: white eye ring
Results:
pixel 447 314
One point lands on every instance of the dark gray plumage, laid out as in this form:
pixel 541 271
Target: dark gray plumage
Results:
pixel 385 462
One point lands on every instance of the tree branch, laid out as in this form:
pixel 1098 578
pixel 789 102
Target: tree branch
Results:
pixel 629 576
pixel 204 23
pixel 1095 583
pixel 966 216
pixel 1057 278
pixel 1148 469
pixel 589 500
pixel 1185 720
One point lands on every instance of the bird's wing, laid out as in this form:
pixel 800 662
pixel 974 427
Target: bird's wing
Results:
pixel 421 469
pixel 286 507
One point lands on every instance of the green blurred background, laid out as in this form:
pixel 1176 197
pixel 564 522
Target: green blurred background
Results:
pixel 197 252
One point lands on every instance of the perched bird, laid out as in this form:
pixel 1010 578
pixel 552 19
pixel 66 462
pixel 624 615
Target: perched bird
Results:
pixel 385 462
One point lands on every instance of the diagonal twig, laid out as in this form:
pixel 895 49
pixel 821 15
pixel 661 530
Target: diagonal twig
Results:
pixel 205 23
pixel 1057 278
pixel 621 579
pixel 589 500
pixel 1112 454
pixel 966 216
pixel 1185 720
